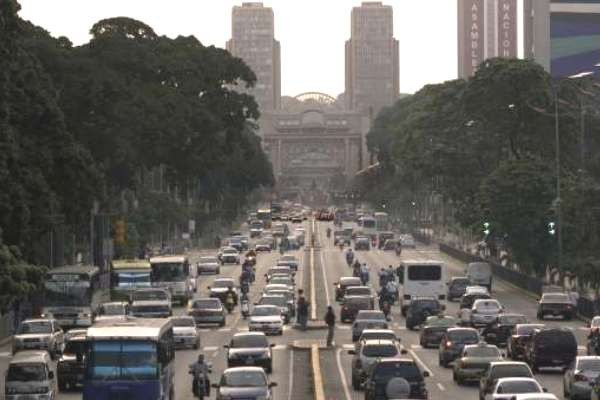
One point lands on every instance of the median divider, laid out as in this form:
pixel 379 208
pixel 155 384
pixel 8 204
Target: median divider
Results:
pixel 314 347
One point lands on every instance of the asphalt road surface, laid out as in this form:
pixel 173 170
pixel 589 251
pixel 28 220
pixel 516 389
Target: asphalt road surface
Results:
pixel 291 368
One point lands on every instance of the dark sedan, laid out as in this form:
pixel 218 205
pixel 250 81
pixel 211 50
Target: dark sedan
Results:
pixel 457 287
pixel 244 383
pixel 519 338
pixel 453 343
pixel 434 329
pixel 250 349
pixel 352 305
pixel 555 304
pixel 345 282
pixel 499 332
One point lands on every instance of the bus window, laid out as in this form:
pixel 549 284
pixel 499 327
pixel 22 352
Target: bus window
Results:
pixel 424 273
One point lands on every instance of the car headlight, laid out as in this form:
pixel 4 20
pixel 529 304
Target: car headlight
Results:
pixel 10 391
pixel 42 390
pixel 45 339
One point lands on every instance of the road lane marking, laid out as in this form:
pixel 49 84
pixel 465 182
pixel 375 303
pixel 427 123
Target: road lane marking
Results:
pixel 210 348
pixel 313 295
pixel 419 361
pixel 584 348
pixel 342 375
pixel 5 354
pixel 416 347
pixel 280 347
pixel 291 372
pixel 224 329
pixel 325 279
pixel 348 346
pixel 344 327
pixel 319 390
pixel 441 387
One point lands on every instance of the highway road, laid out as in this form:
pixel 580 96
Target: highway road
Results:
pixel 292 368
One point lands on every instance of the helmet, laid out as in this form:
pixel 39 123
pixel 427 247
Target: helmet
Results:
pixel 200 358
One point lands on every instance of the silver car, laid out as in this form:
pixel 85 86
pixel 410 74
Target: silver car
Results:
pixel 185 333
pixel 369 352
pixel 577 381
pixel 208 264
pixel 485 312
pixel 39 334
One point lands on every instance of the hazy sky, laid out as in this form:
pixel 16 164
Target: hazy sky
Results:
pixel 311 32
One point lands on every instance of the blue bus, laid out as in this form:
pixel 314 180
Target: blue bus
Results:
pixel 130 359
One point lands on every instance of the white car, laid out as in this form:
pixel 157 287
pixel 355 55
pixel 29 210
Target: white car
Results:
pixel 230 255
pixel 408 241
pixel 506 388
pixel 208 264
pixel 485 312
pixel 185 332
pixel 267 319
pixel 534 396
pixel 39 334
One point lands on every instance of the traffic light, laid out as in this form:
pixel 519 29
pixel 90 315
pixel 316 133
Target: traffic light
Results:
pixel 120 232
pixel 552 228
pixel 486 228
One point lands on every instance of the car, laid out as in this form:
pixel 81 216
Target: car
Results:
pixel 376 334
pixel 290 261
pixel 30 376
pixel 555 304
pixel 519 338
pixel 289 295
pixel 419 309
pixel 286 280
pixel 267 319
pixel 362 243
pixel 39 334
pixel 577 380
pixel 236 243
pixel 466 303
pixel 151 303
pixel 453 342
pixel 244 383
pixel 382 238
pixel 457 287
pixel 207 311
pixel 362 291
pixel 250 349
pixel 367 319
pixel 352 305
pixel 499 331
pixel 480 273
pixel 263 245
pixel 473 362
pixel 341 237
pixel 208 264
pixel 384 370
pixel 505 388
pixel 434 328
pixel 271 287
pixel 230 255
pixel 551 347
pixel 370 352
pixel 343 284
pixel 113 310
pixel 185 332
pixel 485 312
pixel 293 242
pixel 70 367
pixel 279 269
pixel 408 240
pixel 534 396
pixel 501 369
pixel 392 244
pixel 279 301
pixel 220 287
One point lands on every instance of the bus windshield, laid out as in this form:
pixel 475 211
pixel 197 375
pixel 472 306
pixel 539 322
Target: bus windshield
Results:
pixel 169 272
pixel 131 279
pixel 123 360
pixel 67 290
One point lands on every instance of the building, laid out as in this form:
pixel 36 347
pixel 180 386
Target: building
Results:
pixel 372 59
pixel 253 40
pixel 536 31
pixel 486 29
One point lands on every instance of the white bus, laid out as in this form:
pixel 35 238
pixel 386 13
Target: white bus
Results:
pixel 172 273
pixel 382 221
pixel 74 293
pixel 131 359
pixel 368 226
pixel 425 278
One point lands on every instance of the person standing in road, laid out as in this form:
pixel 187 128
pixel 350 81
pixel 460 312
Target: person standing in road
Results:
pixel 302 310
pixel 330 321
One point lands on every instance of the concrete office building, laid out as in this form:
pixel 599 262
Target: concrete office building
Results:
pixel 372 59
pixel 253 40
pixel 536 31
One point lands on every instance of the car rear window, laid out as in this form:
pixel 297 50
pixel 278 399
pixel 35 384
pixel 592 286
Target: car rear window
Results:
pixel 463 336
pixel 377 335
pixel 380 351
pixel 482 352
pixel 553 338
pixel 375 315
pixel 358 291
pixel 208 303
pixel 518 387
pixel 555 298
pixel 510 371
pixel 589 364
pixel 527 329
pixel 512 319
pixel 357 301
pixel 385 371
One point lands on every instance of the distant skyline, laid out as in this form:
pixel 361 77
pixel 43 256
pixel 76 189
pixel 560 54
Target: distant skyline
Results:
pixel 312 33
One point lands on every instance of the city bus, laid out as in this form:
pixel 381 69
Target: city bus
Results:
pixel 368 226
pixel 74 293
pixel 131 359
pixel 421 278
pixel 126 276
pixel 382 221
pixel 172 273
pixel 265 216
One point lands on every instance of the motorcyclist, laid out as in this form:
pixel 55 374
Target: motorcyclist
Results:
pixel 398 248
pixel 349 257
pixel 200 370
pixel 230 299
pixel 386 308
pixel 391 287
pixel 245 305
pixel 364 274
pixel 356 264
pixel 356 270
pixel 383 277
pixel 328 232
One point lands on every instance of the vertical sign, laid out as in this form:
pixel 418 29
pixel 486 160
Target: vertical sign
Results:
pixel 507 28
pixel 474 39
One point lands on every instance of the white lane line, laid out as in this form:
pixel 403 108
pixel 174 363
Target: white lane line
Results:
pixel 210 348
pixel 313 292
pixel 584 348
pixel 416 347
pixel 348 346
pixel 325 278
pixel 342 375
pixel 343 327
pixel 441 387
pixel 419 361
pixel 5 354
pixel 291 372
pixel 203 330
pixel 224 330
pixel 280 347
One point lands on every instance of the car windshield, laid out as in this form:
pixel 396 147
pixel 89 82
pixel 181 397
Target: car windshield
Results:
pixel 223 284
pixel 230 251
pixel 461 283
pixel 589 364
pixel 208 303
pixel 249 341
pixel 180 321
pixel 26 372
pixel 378 350
pixel 526 330
pixel 278 301
pixel 378 335
pixel 385 371
pixel 518 387
pixel 463 336
pixel 281 280
pixel 512 319
pixel 482 352
pixel 371 315
pixel 244 379
pixel 422 304
pixel 113 309
pixel 555 298
pixel 265 311
pixel 35 327
pixel 208 260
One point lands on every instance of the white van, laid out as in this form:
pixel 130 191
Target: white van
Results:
pixel 421 279
pixel 30 376
pixel 480 274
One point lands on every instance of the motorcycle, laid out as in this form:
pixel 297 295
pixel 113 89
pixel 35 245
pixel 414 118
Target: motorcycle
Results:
pixel 245 308
pixel 229 305
pixel 200 384
pixel 349 259
pixel 593 345
pixel 386 309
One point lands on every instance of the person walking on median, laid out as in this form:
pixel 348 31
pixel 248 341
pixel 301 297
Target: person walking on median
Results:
pixel 302 310
pixel 330 321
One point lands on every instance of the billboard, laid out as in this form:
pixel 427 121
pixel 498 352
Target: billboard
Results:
pixel 575 37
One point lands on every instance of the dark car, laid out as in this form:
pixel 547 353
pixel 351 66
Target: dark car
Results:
pixel 362 243
pixel 551 347
pixel 501 369
pixel 383 237
pixel 70 367
pixel 420 309
pixel 384 370
pixel 498 332
pixel 352 305
pixel 244 383
pixel 457 287
pixel 363 291
pixel 220 288
pixel 453 342
pixel 519 339
pixel 367 319
pixel 555 304
pixel 250 348
pixel 289 261
pixel 343 283
pixel 207 311
pixel 434 329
